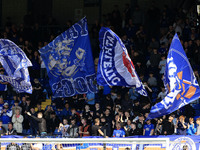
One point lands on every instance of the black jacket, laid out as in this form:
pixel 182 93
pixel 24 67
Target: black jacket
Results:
pixel 41 124
pixel 168 127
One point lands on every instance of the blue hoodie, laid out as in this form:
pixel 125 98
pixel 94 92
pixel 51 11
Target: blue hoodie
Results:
pixel 6 116
pixel 191 130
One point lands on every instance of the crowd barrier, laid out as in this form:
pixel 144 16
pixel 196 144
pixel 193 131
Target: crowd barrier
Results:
pixel 171 142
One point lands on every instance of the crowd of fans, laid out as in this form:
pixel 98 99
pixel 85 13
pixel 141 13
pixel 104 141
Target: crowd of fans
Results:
pixel 113 111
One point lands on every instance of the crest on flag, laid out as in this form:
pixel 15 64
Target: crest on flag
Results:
pixel 180 82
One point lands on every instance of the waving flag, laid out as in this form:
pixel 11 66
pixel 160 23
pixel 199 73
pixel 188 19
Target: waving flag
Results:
pixel 69 62
pixel 16 64
pixel 180 81
pixel 115 66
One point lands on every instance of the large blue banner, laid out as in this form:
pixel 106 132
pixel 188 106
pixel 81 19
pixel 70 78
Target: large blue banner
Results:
pixel 69 62
pixel 176 142
pixel 16 64
pixel 179 80
pixel 115 66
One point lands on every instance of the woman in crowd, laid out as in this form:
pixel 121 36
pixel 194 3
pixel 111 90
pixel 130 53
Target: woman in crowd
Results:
pixel 17 121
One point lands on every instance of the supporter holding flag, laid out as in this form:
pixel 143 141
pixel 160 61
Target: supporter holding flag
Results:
pixel 179 80
pixel 115 67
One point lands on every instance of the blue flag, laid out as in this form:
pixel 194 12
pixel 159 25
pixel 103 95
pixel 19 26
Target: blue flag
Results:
pixel 16 64
pixel 115 66
pixel 179 80
pixel 69 62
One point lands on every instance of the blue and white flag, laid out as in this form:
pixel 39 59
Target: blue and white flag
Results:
pixel 16 64
pixel 115 66
pixel 69 62
pixel 180 81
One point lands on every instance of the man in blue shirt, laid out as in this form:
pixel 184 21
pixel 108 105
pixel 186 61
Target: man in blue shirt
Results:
pixel 148 129
pixel 118 132
pixel 66 111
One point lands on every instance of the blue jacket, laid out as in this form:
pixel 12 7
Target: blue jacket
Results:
pixel 191 130
pixel 6 116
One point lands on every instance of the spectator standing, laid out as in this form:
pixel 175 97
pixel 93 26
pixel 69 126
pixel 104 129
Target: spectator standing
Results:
pixel 105 127
pixel 154 60
pixel 140 125
pixel 198 126
pixel 41 123
pixel 181 126
pixel 133 131
pixel 1 104
pixel 37 92
pixel 63 128
pixel 168 126
pixel 90 99
pixel 162 94
pixel 96 131
pixel 16 106
pixel 159 127
pixel 11 130
pixel 73 129
pixel 53 122
pixel 97 111
pixel 33 123
pixel 6 115
pixel 3 85
pixel 148 129
pixel 191 127
pixel 119 131
pixel 66 111
pixel 36 65
pixel 162 65
pixel 85 129
pixel 152 81
pixel 75 115
pixel 17 120
pixel 2 129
